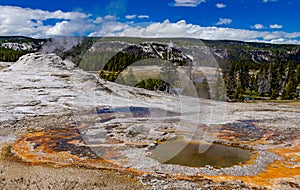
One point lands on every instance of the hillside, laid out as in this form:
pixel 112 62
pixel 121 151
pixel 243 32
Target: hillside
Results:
pixel 224 50
pixel 13 47
pixel 250 70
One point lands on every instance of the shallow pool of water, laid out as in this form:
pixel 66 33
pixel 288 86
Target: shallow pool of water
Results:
pixel 186 153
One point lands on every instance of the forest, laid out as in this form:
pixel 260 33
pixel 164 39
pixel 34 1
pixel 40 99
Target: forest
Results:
pixel 8 55
pixel 12 55
pixel 251 71
pixel 278 80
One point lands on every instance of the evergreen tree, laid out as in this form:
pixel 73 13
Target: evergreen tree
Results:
pixel 244 76
pixel 169 69
pixel 230 79
pixel 252 84
pixel 202 88
pixel 153 84
pixel 274 94
pixel 275 81
pixel 219 91
pixel 263 80
pixel 237 80
pixel 238 93
pixel 298 74
pixel 289 91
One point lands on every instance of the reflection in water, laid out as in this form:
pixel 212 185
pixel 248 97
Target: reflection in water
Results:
pixel 137 111
pixel 217 155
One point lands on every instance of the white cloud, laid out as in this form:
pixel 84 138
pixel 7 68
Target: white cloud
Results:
pixel 266 1
pixel 98 20
pixel 110 17
pixel 258 26
pixel 188 3
pixel 130 16
pixel 182 29
pixel 224 21
pixel 220 5
pixel 143 16
pixel 276 26
pixel 135 16
pixel 32 22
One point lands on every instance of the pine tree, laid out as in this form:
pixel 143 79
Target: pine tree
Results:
pixel 263 80
pixel 238 93
pixel 230 79
pixel 298 74
pixel 252 83
pixel 219 91
pixel 169 70
pixel 153 84
pixel 274 94
pixel 291 86
pixel 244 76
pixel 275 81
pixel 202 88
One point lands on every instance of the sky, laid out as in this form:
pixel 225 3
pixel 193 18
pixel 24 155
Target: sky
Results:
pixel 271 21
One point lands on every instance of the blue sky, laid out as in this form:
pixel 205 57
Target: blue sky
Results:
pixel 274 21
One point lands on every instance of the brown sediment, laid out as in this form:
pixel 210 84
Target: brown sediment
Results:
pixel 42 148
pixel 286 168
pixel 58 146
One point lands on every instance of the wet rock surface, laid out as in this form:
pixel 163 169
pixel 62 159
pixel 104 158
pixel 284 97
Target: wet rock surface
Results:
pixel 244 131
pixel 70 117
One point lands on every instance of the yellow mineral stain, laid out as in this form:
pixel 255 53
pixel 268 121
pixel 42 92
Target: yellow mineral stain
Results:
pixel 36 148
pixel 279 169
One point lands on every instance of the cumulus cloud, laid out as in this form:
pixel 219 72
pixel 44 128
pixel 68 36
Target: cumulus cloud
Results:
pixel 220 5
pixel 183 29
pixel 258 26
pixel 188 3
pixel 33 22
pixel 110 17
pixel 130 16
pixel 98 20
pixel 224 21
pixel 276 26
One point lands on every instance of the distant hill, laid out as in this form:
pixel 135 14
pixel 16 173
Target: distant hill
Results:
pixel 249 69
pixel 223 50
pixel 253 53
pixel 12 47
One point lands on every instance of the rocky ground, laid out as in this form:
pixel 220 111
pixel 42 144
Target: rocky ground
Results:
pixel 63 128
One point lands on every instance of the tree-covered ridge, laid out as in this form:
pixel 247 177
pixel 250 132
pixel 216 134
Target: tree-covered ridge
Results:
pixel 252 53
pixel 250 70
pixel 8 55
pixel 275 76
pixel 224 50
pixel 13 47
pixel 21 39
pixel 134 53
